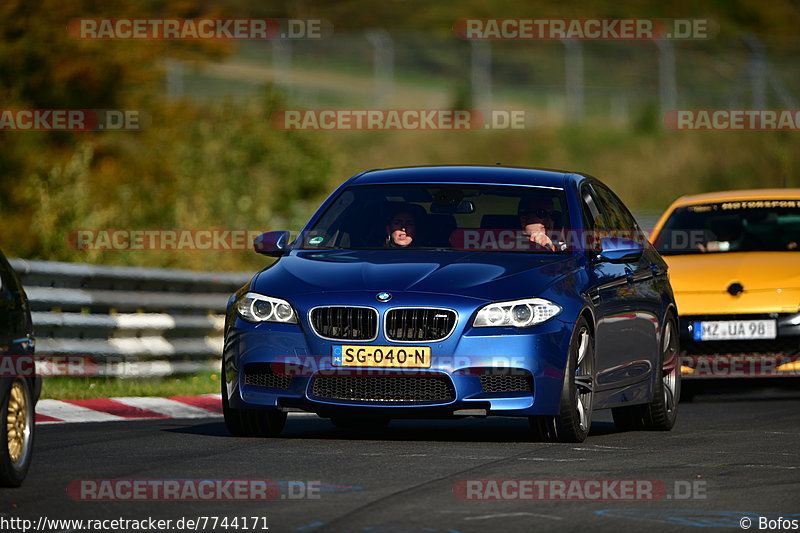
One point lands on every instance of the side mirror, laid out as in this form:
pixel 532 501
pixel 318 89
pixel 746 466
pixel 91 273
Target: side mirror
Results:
pixel 272 243
pixel 619 250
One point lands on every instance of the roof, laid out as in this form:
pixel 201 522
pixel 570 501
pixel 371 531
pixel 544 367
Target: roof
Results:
pixel 743 194
pixel 488 175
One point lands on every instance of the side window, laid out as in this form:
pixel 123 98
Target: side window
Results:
pixel 614 222
pixel 591 209
pixel 595 222
pixel 624 224
pixel 619 217
pixel 627 216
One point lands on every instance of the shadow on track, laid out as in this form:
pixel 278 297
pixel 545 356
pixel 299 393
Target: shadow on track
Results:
pixel 490 430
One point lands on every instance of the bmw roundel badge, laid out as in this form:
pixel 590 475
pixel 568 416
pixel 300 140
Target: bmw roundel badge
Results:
pixel 383 296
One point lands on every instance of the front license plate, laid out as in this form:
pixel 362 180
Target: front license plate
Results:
pixel 722 330
pixel 382 356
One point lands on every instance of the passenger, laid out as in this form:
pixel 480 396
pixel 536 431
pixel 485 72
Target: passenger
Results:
pixel 401 228
pixel 537 219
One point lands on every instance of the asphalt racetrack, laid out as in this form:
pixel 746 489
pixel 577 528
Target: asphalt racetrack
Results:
pixel 731 461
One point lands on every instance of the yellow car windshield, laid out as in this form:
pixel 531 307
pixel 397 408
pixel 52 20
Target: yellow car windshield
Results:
pixel 740 226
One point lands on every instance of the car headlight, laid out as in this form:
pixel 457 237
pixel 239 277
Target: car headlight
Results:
pixel 259 308
pixel 517 313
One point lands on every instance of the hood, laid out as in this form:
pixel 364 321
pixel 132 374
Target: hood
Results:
pixel 714 272
pixel 491 276
pixel 770 282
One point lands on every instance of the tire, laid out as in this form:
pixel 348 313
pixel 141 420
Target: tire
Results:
pixel 250 422
pixel 363 423
pixel 660 414
pixel 574 420
pixel 17 419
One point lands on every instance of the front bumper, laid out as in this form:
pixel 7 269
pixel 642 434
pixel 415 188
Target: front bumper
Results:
pixel 474 371
pixel 778 357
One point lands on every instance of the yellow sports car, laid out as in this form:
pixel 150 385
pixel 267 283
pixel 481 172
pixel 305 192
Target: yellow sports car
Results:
pixel 734 264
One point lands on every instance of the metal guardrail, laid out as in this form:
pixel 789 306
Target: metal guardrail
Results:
pixel 130 321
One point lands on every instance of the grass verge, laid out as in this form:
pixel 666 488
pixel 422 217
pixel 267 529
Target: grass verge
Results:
pixel 80 388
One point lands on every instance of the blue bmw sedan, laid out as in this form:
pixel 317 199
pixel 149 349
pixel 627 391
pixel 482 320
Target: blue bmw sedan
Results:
pixel 452 291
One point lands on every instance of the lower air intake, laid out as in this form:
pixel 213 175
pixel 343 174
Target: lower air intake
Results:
pixel 261 375
pixel 505 383
pixel 434 389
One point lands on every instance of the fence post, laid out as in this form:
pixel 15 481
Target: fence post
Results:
pixel 282 64
pixel 758 71
pixel 573 68
pixel 174 78
pixel 383 66
pixel 667 86
pixel 481 74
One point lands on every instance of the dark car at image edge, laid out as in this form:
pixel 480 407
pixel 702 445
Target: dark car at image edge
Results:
pixel 19 383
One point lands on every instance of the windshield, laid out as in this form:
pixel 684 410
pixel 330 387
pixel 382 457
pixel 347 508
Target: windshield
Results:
pixel 442 217
pixel 747 226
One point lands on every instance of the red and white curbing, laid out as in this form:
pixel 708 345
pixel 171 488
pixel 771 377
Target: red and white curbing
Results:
pixel 119 409
pixel 135 408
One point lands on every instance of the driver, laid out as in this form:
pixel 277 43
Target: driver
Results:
pixel 537 217
pixel 401 228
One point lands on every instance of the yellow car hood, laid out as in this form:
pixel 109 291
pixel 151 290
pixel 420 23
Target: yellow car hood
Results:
pixel 771 282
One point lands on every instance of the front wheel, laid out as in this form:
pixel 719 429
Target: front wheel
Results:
pixel 574 419
pixel 660 414
pixel 17 419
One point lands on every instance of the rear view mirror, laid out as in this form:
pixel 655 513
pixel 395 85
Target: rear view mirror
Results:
pixel 463 207
pixel 272 243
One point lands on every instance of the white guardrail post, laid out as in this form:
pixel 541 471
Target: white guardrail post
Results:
pixel 127 321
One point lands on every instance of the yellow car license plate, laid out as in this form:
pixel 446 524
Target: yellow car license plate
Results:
pixel 382 356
